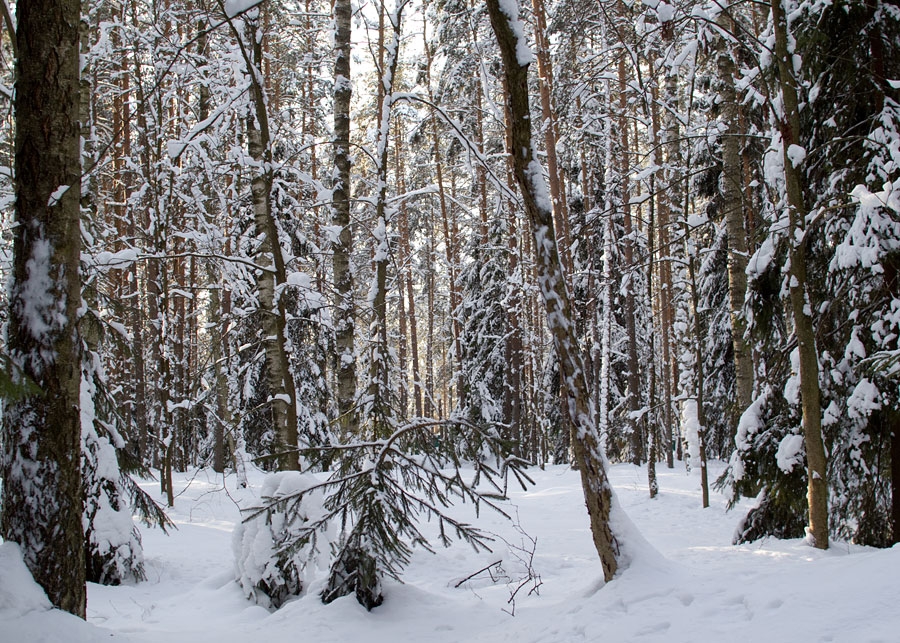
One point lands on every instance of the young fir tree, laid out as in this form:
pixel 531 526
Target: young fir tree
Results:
pixel 485 359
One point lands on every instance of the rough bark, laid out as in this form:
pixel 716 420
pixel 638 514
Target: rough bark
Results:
pixel 895 478
pixel 597 490
pixel 669 211
pixel 379 394
pixel 41 457
pixel 651 415
pixel 451 236
pixel 272 276
pixel 342 246
pixel 801 307
pixel 551 134
pixel 634 377
pixel 734 211
pixel 698 359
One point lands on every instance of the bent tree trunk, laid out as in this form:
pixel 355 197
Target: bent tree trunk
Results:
pixel 529 176
pixel 41 457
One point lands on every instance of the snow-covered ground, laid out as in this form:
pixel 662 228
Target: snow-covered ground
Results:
pixel 688 584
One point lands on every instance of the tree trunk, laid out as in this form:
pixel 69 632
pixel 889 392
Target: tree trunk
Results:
pixel 634 377
pixel 895 477
pixel 379 393
pixel 551 135
pixel 451 234
pixel 41 458
pixel 698 358
pixel 651 414
pixel 272 275
pixel 529 176
pixel 342 246
pixel 731 187
pixel 801 306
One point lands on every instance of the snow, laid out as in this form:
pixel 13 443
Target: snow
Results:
pixel 685 583
pixel 57 195
pixel 39 310
pixel 25 610
pixel 690 426
pixel 236 7
pixel 865 399
pixel 119 260
pixel 524 55
pixel 665 12
pixel 19 594
pixel 796 155
pixel 790 452
pixel 255 547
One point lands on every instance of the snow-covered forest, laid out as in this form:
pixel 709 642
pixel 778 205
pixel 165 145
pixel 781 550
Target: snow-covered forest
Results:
pixel 354 264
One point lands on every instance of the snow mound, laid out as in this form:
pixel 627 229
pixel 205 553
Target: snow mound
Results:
pixel 19 594
pixel 278 547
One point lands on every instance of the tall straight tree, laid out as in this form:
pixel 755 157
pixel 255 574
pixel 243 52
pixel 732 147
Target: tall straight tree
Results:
pixel 810 394
pixel 342 246
pixel 41 459
pixel 734 209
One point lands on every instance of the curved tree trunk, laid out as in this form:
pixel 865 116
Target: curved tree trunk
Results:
pixel 273 275
pixel 529 176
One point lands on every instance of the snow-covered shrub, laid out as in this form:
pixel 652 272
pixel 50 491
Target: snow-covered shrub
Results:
pixel 759 467
pixel 376 497
pixel 19 594
pixel 278 546
pixel 113 552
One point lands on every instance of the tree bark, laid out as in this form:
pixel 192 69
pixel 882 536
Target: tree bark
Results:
pixel 597 489
pixel 272 276
pixel 734 211
pixel 451 236
pixel 698 358
pixel 379 393
pixel 634 377
pixel 801 306
pixel 342 246
pixel 41 457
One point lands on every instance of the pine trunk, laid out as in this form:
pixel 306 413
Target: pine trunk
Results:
pixel 634 377
pixel 379 394
pixel 731 186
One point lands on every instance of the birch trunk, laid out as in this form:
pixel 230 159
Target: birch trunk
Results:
pixel 272 275
pixel 342 246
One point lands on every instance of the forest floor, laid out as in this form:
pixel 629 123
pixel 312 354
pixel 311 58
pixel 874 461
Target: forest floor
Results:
pixel 687 583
